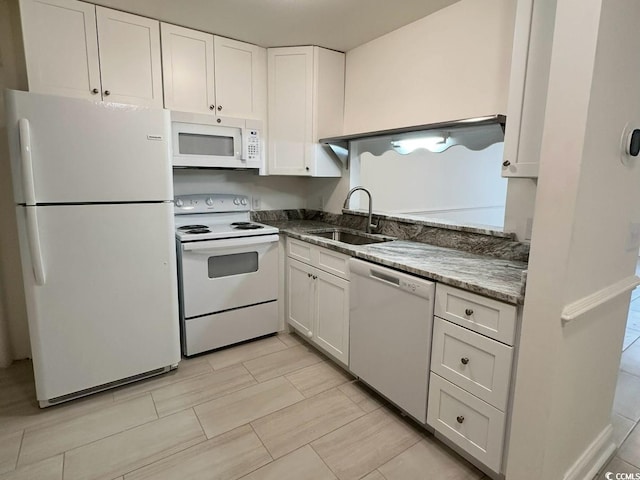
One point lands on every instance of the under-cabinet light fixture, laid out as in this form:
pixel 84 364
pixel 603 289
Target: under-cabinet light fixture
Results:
pixel 408 145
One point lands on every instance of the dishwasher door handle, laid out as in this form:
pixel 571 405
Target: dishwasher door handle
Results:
pixel 384 277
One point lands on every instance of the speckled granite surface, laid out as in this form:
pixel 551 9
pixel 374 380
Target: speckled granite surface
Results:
pixel 493 277
pixel 473 240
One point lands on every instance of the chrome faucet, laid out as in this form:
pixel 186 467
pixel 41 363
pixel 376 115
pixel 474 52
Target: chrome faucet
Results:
pixel 370 224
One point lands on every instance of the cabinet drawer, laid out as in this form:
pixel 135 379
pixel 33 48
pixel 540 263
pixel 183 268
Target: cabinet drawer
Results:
pixel 473 425
pixel 333 262
pixel 320 257
pixel 478 364
pixel 299 250
pixel 483 315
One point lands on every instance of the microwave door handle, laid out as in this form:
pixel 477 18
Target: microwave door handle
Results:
pixel 214 245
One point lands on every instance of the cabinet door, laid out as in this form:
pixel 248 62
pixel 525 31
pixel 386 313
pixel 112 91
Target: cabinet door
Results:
pixel 290 73
pixel 241 78
pixel 300 296
pixel 187 67
pixel 61 47
pixel 129 58
pixel 332 315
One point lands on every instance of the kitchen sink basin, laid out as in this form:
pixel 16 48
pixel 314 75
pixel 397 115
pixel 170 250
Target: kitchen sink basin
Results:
pixel 352 237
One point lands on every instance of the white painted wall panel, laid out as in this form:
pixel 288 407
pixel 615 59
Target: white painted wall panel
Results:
pixel 449 65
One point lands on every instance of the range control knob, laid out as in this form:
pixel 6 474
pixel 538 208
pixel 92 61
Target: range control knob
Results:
pixel 236 201
pixel 210 201
pixel 243 201
pixel 179 202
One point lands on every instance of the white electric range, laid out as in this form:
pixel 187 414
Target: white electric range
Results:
pixel 227 272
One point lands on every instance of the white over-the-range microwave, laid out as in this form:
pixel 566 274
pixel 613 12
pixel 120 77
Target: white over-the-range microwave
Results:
pixel 205 141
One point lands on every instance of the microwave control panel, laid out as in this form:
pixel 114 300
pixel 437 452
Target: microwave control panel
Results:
pixel 252 145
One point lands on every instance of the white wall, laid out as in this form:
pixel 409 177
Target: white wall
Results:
pixel 423 181
pixel 450 65
pixel 587 203
pixel 272 193
pixel 14 334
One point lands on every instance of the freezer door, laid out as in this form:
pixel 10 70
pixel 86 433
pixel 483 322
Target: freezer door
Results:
pixel 68 150
pixel 102 296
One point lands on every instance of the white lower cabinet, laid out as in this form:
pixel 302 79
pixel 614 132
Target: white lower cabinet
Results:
pixel 318 306
pixel 478 364
pixel 471 370
pixel 467 421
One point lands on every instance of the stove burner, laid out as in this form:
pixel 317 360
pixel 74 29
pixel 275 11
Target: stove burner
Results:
pixel 198 230
pixel 192 227
pixel 246 226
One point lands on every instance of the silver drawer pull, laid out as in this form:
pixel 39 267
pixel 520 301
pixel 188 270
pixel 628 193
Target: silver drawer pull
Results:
pixel 464 360
pixel 468 312
pixel 460 418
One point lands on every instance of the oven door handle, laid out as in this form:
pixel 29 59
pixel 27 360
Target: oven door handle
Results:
pixel 214 245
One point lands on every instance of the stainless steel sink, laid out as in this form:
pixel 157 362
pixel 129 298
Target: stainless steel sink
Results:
pixel 352 237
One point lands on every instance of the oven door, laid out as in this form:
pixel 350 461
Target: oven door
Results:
pixel 224 274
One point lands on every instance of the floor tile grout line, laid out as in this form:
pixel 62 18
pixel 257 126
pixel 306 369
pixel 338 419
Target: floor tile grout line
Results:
pixel 323 460
pixel 261 441
pixel 155 407
pixel 113 434
pixel 381 474
pixel 151 390
pixel 203 401
pixel 15 467
pixel 283 374
pixel 101 438
pixel 90 410
pixel 124 474
pixel 309 442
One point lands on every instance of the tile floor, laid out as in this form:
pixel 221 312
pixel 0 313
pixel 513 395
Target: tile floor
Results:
pixel 626 408
pixel 274 409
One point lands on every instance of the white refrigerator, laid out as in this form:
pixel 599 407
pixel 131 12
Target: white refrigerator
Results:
pixel 93 192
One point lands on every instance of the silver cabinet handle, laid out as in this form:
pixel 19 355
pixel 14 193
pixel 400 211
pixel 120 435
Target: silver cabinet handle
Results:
pixel 219 108
pixel 211 107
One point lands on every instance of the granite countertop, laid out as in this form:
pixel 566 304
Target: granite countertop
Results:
pixel 492 277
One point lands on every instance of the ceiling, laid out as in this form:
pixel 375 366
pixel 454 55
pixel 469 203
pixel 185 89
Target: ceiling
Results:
pixel 336 24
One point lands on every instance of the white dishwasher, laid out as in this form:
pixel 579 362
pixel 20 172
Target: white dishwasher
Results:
pixel 391 319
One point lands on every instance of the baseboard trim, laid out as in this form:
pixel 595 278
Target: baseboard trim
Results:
pixel 594 457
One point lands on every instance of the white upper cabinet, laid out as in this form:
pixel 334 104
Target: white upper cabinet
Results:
pixel 241 79
pixel 530 63
pixel 306 103
pixel 61 47
pixel 129 58
pixel 204 73
pixel 62 55
pixel 187 64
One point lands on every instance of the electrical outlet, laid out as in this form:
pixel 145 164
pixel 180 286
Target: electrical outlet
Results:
pixel 256 203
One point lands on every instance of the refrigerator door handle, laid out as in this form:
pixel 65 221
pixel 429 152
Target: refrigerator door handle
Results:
pixel 35 249
pixel 28 185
